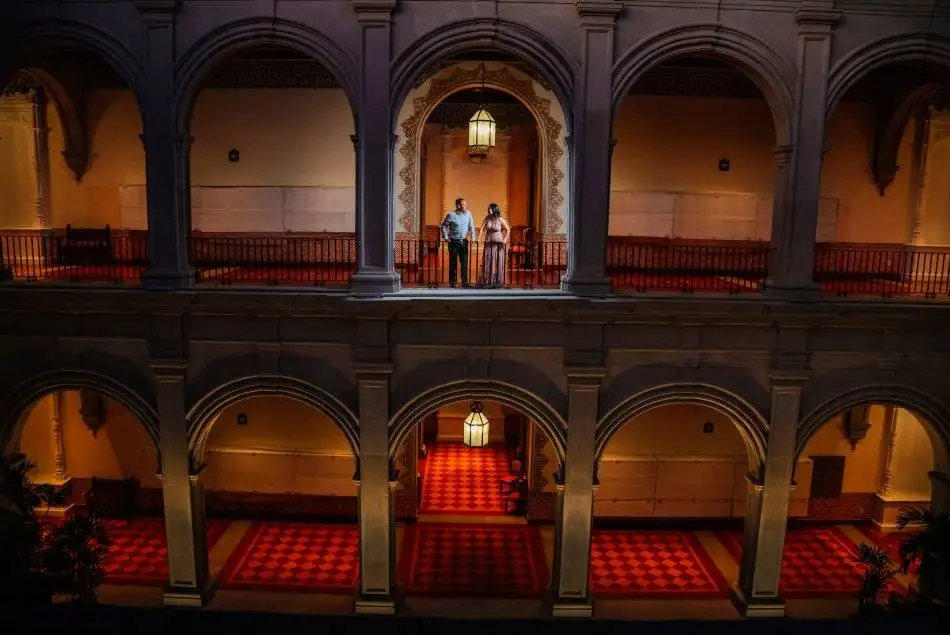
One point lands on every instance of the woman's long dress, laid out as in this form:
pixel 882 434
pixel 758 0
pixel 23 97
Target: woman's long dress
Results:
pixel 493 261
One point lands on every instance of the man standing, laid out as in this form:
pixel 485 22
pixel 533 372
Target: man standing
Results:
pixel 456 227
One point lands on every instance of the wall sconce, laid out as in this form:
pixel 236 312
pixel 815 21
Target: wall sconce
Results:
pixel 857 423
pixel 242 419
pixel 234 155
pixel 709 427
pixel 724 165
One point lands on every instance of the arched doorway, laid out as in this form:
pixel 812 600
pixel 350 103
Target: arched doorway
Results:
pixel 73 172
pixel 672 480
pixel 694 174
pixel 887 112
pixel 272 169
pixel 474 505
pixel 105 461
pixel 277 472
pixel 524 168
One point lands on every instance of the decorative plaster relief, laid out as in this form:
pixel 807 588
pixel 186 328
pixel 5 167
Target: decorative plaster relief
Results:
pixel 422 100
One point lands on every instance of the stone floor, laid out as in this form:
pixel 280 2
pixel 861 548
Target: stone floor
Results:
pixel 658 608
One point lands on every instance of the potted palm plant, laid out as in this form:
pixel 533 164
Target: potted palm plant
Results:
pixel 927 548
pixel 879 570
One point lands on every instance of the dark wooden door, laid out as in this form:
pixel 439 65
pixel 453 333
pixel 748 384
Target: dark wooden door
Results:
pixel 827 477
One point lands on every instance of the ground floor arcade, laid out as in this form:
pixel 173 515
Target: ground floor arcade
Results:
pixel 282 533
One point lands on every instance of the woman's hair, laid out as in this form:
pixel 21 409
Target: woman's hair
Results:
pixel 494 210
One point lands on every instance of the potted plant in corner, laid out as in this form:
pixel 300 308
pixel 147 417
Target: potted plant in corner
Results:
pixel 73 556
pixel 879 570
pixel 927 548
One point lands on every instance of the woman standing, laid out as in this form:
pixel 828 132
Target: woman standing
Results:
pixel 494 234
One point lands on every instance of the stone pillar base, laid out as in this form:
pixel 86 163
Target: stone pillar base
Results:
pixel 162 279
pixel 572 609
pixel 759 607
pixel 886 509
pixel 589 287
pixel 63 513
pixel 806 292
pixel 189 597
pixel 375 606
pixel 373 283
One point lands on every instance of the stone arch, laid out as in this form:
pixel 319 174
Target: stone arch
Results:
pixel 886 51
pixel 48 36
pixel 17 401
pixel 203 57
pixel 751 424
pixel 417 408
pixel 773 76
pixel 933 414
pixel 202 415
pixel 422 100
pixel 553 63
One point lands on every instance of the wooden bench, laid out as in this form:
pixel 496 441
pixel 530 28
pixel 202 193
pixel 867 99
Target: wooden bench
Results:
pixel 85 246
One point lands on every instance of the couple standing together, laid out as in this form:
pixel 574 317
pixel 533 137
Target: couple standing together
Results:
pixel 494 232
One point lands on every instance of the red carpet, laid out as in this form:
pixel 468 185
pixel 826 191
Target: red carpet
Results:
pixel 681 283
pixel 138 554
pixel 307 557
pixel 462 480
pixel 817 562
pixel 889 541
pixel 455 560
pixel 327 276
pixel 653 564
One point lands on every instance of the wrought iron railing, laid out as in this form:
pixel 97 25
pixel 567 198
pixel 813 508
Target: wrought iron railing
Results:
pixel 438 264
pixel 843 269
pixel 101 256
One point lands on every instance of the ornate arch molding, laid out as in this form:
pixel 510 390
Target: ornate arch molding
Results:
pixel 886 51
pixel 203 57
pixel 510 395
pixel 550 60
pixel 204 413
pixel 420 103
pixel 35 40
pixel 17 402
pixel 933 414
pixel 751 424
pixel 764 67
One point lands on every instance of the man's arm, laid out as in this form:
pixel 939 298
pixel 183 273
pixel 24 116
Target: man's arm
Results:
pixel 444 228
pixel 471 226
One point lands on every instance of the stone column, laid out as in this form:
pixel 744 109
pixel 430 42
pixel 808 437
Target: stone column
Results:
pixel 377 479
pixel 376 272
pixel 60 472
pixel 591 150
pixel 189 581
pixel 767 505
pixel 797 188
pixel 41 159
pixel 940 492
pixel 576 498
pixel 889 441
pixel 166 164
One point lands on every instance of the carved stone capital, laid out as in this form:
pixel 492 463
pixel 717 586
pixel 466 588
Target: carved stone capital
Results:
pixel 169 368
pixel 599 13
pixel 374 11
pixel 782 154
pixel 355 139
pixel 816 21
pixel 158 12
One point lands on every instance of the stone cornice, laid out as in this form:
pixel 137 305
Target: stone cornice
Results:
pixel 158 7
pixel 374 11
pixel 817 19
pixel 600 14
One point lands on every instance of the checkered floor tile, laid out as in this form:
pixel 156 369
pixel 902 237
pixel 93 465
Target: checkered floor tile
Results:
pixel 817 563
pixel 138 554
pixel 295 557
pixel 653 564
pixel 473 560
pixel 463 480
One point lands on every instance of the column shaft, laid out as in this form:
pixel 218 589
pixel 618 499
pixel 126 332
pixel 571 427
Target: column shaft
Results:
pixel 590 152
pixel 59 449
pixel 189 580
pixel 41 159
pixel 166 165
pixel 767 511
pixel 797 197
pixel 375 497
pixel 576 502
pixel 374 218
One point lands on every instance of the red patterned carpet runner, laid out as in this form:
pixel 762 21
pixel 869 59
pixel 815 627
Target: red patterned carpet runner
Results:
pixel 138 554
pixel 653 564
pixel 301 557
pixel 457 560
pixel 462 480
pixel 817 562
pixel 889 541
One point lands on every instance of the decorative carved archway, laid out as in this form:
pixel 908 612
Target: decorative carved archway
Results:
pixel 543 104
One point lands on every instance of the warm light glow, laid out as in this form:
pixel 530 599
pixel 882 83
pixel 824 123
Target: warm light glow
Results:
pixel 475 434
pixel 481 134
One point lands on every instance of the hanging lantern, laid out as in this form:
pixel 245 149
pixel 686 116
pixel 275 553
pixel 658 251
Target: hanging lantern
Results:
pixel 481 135
pixel 475 434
